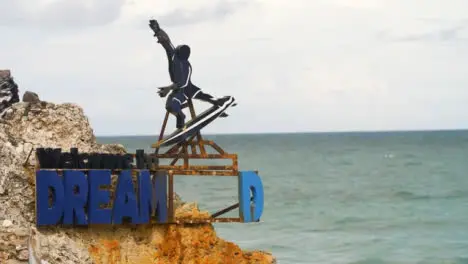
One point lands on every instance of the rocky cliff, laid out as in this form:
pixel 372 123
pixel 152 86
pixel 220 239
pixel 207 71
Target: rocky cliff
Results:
pixel 26 126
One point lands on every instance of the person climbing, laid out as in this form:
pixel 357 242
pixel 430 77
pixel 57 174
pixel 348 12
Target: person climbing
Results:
pixel 180 71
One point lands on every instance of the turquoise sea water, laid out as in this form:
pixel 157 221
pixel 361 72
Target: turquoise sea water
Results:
pixel 397 197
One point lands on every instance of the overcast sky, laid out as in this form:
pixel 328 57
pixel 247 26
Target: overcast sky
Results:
pixel 293 66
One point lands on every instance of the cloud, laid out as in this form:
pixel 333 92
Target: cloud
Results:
pixel 322 65
pixel 59 14
pixel 453 33
pixel 212 12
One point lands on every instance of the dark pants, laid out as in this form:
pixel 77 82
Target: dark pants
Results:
pixel 177 101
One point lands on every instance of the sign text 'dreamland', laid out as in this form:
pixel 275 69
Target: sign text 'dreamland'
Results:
pixel 79 198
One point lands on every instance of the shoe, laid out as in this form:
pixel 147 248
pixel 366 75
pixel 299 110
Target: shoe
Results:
pixel 183 128
pixel 222 100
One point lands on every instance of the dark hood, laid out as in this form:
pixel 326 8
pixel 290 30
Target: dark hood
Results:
pixel 182 52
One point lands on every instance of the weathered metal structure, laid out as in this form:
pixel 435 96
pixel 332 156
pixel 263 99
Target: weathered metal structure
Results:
pixel 195 148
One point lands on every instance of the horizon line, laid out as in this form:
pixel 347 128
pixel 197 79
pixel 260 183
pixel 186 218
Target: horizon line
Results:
pixel 306 132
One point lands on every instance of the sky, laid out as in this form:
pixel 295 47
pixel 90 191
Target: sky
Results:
pixel 293 66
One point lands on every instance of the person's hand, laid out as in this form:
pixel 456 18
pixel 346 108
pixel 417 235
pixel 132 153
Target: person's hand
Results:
pixel 153 24
pixel 162 36
pixel 163 91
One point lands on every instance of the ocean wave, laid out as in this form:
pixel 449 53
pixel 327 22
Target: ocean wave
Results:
pixel 372 261
pixel 460 260
pixel 349 220
pixel 389 155
pixel 406 195
pixel 411 196
pixel 412 163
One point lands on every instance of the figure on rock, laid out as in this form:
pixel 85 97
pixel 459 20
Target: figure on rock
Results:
pixel 8 91
pixel 180 72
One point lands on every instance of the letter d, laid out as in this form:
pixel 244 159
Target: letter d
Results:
pixel 250 208
pixel 45 180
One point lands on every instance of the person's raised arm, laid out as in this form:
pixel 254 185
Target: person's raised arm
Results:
pixel 163 38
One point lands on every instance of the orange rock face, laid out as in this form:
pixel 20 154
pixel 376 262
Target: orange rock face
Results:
pixel 195 244
pixel 191 244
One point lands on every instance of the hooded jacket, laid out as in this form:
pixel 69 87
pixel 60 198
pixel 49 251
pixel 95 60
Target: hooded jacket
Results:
pixel 181 68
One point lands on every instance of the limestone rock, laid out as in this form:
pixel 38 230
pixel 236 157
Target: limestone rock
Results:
pixel 7 223
pixel 30 97
pixel 5 74
pixel 28 126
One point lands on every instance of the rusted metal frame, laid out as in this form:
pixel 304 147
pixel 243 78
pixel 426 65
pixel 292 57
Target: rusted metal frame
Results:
pixel 163 128
pixel 27 159
pixel 216 147
pixel 214 217
pixel 211 144
pixel 200 144
pixel 195 156
pixel 205 173
pixel 189 221
pixel 135 171
pixel 170 205
pixel 191 168
pixel 187 166
pixel 199 137
pixel 206 221
pixel 182 152
pixel 196 167
pixel 225 210
pixel 186 159
pixel 172 149
pixel 235 163
pixel 208 143
pixel 193 147
pixel 177 146
pixel 171 209
pixel 228 209
pixel 174 161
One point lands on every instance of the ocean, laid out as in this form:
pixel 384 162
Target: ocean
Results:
pixel 383 197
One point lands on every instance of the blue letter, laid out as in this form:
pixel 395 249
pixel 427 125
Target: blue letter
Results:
pixel 145 196
pixel 96 178
pixel 75 203
pixel 152 196
pixel 45 180
pixel 125 203
pixel 250 181
pixel 160 195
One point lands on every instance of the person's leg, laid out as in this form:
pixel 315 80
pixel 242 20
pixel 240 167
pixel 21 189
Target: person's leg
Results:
pixel 174 106
pixel 202 97
pixel 197 93
pixel 205 97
